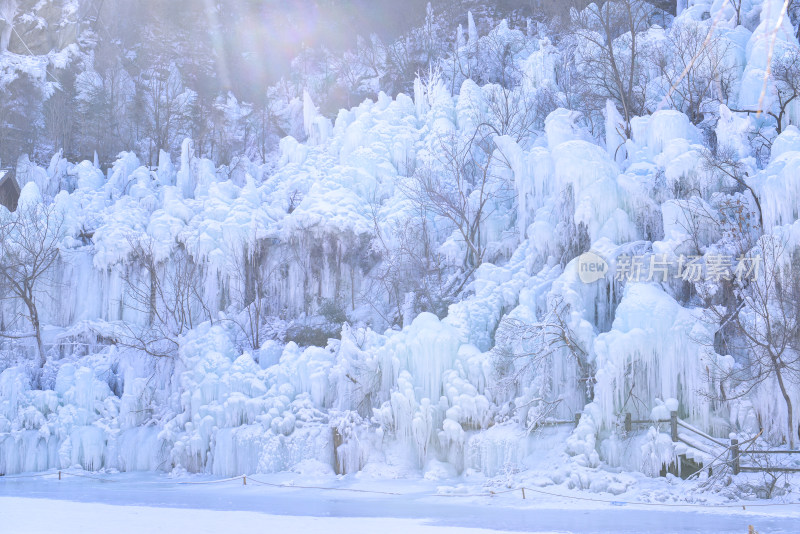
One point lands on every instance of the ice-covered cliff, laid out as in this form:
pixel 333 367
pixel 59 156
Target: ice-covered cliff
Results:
pixel 318 242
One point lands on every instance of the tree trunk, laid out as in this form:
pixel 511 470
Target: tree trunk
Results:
pixel 788 400
pixel 34 316
pixel 39 345
pixel 151 316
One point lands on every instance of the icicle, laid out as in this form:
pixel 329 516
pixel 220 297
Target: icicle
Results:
pixel 186 179
pixel 420 98
pixel 615 138
pixel 309 113
pixel 472 32
pixel 165 171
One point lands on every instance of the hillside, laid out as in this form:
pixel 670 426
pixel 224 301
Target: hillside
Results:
pixel 553 224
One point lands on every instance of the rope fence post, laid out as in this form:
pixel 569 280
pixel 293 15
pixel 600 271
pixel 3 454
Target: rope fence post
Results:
pixel 244 480
pixel 59 475
pixel 577 419
pixel 628 424
pixel 735 456
pixel 523 494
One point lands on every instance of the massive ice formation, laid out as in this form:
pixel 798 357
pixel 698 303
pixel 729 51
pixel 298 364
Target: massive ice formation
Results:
pixel 436 391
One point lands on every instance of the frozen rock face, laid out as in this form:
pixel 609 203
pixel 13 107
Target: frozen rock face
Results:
pixel 50 25
pixel 527 339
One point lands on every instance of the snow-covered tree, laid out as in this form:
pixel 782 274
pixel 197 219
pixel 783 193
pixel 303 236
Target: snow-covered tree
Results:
pixel 609 55
pixel 29 250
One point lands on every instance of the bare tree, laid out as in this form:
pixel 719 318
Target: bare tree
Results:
pixel 459 186
pixel 165 104
pixel 21 114
pixel 785 74
pixel 411 275
pixel 754 305
pixel 497 58
pixel 524 351
pixel 453 193
pixel 699 221
pixel 167 292
pixel 765 329
pixel 772 470
pixel 59 114
pixel 609 62
pixel 517 112
pixel 793 11
pixel 737 6
pixel 100 107
pixel 571 239
pixel 251 272
pixel 353 69
pixel 457 67
pixel 724 163
pixel 29 249
pixel 694 69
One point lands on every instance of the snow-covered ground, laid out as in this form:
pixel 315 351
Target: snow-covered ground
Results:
pixel 150 503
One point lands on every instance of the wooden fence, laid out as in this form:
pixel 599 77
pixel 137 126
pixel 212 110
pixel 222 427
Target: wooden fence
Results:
pixel 732 450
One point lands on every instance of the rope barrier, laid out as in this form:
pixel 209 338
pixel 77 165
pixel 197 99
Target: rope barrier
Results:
pixel 240 477
pixel 80 475
pixel 489 493
pixel 24 476
pixel 59 475
pixel 287 486
pixel 640 503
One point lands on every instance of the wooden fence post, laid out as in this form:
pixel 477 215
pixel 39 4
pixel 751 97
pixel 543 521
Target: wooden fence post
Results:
pixel 628 424
pixel 735 456
pixel 673 425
